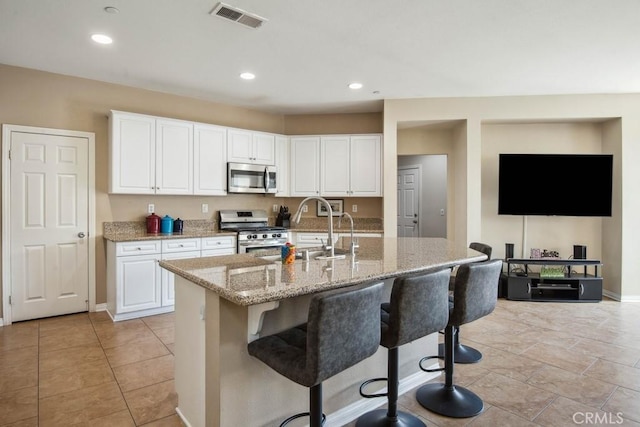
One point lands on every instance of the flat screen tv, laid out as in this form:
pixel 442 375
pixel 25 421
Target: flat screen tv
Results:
pixel 555 184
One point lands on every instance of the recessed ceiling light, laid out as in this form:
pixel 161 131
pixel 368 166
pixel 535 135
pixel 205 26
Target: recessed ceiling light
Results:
pixel 101 38
pixel 355 85
pixel 247 76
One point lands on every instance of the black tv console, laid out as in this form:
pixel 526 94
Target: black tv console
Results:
pixel 555 281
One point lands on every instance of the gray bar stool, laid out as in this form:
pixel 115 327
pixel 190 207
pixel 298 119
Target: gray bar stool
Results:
pixel 475 296
pixel 419 306
pixel 464 353
pixel 342 329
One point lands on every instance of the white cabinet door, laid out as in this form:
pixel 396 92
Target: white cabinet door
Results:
pixel 174 157
pixel 264 148
pixel 132 153
pixel 209 160
pixel 334 165
pixel 251 147
pixel 239 146
pixel 365 166
pixel 168 278
pixel 282 165
pixel 305 166
pixel 138 283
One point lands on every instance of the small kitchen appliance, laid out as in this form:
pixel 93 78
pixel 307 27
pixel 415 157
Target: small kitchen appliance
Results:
pixel 251 178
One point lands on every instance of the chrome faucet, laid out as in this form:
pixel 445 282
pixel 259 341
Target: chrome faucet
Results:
pixel 354 244
pixel 327 205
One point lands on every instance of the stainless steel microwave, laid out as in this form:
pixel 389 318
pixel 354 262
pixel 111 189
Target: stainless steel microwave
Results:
pixel 250 178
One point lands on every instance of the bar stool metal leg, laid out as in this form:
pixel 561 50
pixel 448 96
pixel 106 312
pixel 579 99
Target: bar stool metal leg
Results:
pixel 448 399
pixel 390 416
pixel 463 353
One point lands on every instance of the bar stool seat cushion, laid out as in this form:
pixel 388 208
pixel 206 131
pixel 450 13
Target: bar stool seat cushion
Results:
pixel 308 354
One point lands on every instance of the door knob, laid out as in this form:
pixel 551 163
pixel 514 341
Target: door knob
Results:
pixel 415 221
pixel 81 235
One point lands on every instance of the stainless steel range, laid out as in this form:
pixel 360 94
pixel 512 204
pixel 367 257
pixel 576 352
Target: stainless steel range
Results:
pixel 254 232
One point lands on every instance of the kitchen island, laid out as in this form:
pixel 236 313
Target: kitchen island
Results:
pixel 224 302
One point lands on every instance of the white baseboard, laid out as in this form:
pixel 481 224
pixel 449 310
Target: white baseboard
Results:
pixel 618 297
pixel 1 322
pixel 101 307
pixel 360 407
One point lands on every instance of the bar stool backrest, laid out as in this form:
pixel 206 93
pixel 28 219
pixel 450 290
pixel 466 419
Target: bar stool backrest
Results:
pixel 343 329
pixel 476 291
pixel 419 306
pixel 481 247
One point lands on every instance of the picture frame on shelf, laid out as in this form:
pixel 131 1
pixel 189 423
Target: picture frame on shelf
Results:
pixel 337 206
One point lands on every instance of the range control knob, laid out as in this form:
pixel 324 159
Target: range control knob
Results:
pixel 264 236
pixel 255 236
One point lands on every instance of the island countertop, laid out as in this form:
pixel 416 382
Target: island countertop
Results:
pixel 247 279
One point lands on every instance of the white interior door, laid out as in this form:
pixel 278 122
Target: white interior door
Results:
pixel 408 202
pixel 49 224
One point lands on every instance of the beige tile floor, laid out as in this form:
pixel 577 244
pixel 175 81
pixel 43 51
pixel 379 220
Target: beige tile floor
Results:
pixel 545 364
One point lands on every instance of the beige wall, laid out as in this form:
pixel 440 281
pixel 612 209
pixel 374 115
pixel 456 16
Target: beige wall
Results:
pixel 618 236
pixel 323 124
pixel 34 98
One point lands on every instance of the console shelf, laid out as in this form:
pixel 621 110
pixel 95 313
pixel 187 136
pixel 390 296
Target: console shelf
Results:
pixel 525 285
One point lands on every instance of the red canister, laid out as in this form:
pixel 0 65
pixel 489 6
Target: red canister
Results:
pixel 153 224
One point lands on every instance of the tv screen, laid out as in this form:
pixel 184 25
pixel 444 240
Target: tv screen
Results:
pixel 555 184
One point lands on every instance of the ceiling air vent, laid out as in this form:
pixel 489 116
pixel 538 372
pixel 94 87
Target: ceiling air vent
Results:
pixel 237 15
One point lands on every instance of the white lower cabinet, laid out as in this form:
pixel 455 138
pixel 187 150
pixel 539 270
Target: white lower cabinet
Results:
pixel 216 246
pixel 136 284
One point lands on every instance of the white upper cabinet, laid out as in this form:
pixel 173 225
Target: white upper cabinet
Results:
pixel 150 155
pixel 245 146
pixel 174 157
pixel 132 153
pixel 336 166
pixel 209 160
pixel 365 165
pixel 305 166
pixel 282 165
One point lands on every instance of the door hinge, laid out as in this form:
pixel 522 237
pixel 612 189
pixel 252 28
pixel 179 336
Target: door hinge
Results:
pixel 9 299
pixel 9 154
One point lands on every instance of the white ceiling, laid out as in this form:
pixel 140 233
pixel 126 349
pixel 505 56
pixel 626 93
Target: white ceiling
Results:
pixel 309 50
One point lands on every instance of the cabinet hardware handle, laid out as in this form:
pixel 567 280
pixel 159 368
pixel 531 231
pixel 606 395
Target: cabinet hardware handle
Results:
pixel 528 287
pixel 581 289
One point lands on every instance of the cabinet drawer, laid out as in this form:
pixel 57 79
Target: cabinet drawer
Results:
pixel 219 242
pixel 180 245
pixel 138 248
pixel 218 252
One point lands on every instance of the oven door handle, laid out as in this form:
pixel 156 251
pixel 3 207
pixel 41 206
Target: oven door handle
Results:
pixel 264 243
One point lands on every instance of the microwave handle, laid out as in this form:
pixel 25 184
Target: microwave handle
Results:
pixel 266 178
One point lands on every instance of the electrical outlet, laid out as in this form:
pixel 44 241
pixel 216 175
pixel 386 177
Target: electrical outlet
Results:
pixel 305 208
pixel 274 208
pixel 441 212
pixel 354 208
pixel 151 208
pixel 205 207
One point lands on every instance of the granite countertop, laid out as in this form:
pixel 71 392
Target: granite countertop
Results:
pixel 128 231
pixel 247 279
